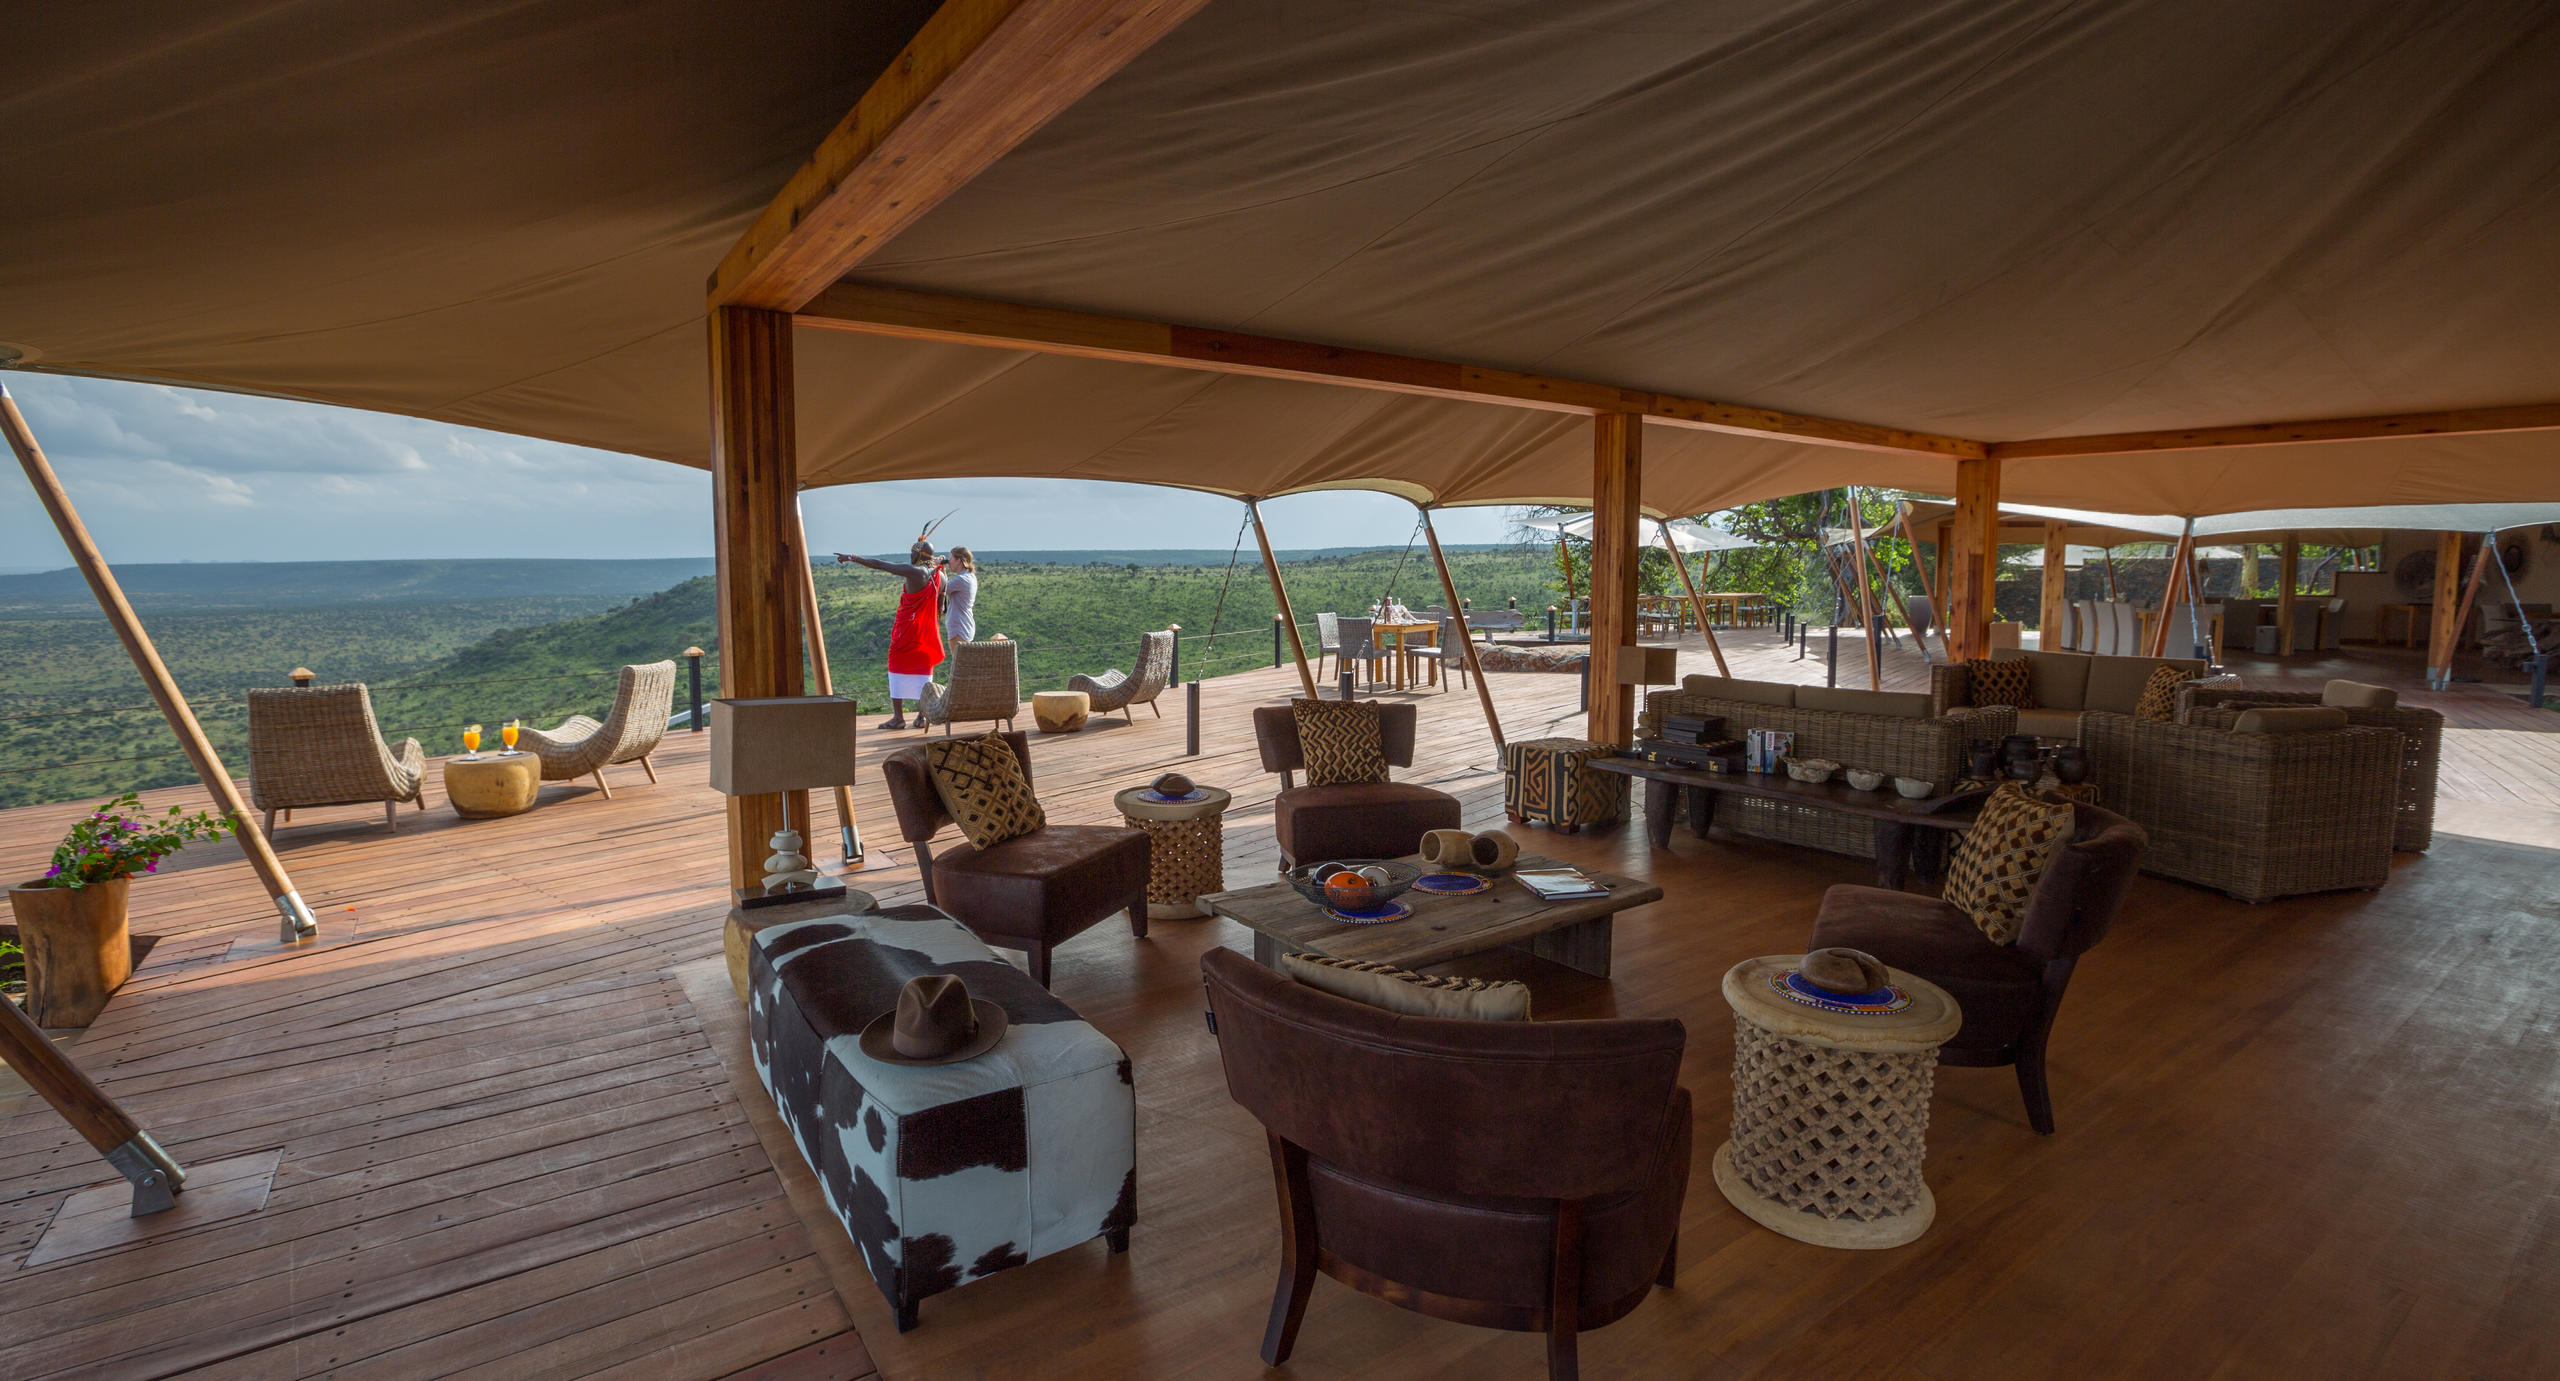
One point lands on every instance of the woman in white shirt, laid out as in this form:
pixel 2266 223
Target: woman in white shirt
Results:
pixel 960 597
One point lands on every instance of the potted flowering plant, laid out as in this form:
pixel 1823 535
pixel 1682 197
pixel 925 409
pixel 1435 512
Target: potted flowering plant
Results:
pixel 71 921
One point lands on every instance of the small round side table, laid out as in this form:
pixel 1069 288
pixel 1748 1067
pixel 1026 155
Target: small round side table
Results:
pixel 1060 712
pixel 1186 847
pixel 1831 1109
pixel 492 786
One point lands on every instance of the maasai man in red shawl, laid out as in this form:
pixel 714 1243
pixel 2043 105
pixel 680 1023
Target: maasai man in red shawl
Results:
pixel 915 635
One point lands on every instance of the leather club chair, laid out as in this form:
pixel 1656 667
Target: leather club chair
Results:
pixel 1360 820
pixel 1032 892
pixel 1520 1175
pixel 2009 993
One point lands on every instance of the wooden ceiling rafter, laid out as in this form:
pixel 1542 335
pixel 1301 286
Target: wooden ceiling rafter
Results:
pixel 2531 417
pixel 976 80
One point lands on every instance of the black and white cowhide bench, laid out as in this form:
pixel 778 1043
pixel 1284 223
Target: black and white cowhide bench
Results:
pixel 941 1173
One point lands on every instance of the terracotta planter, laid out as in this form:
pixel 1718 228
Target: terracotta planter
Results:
pixel 78 949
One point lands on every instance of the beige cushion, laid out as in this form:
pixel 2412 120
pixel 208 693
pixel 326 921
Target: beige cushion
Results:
pixel 2045 723
pixel 2115 683
pixel 981 784
pixel 1411 994
pixel 2356 695
pixel 2289 719
pixel 1340 741
pixel 1732 688
pixel 1899 704
pixel 2060 679
pixel 2004 855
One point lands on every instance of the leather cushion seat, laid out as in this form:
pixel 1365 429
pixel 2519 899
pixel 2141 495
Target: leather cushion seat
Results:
pixel 1996 985
pixel 1361 820
pixel 1409 1236
pixel 1063 876
pixel 2044 723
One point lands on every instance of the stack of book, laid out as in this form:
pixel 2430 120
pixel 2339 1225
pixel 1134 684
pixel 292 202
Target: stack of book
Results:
pixel 1693 728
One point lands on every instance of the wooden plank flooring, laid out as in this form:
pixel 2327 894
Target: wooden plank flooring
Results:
pixel 509 1148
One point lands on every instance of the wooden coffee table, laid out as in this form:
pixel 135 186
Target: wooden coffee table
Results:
pixel 1903 827
pixel 1572 933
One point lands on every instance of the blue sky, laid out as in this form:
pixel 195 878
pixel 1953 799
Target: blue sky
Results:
pixel 172 474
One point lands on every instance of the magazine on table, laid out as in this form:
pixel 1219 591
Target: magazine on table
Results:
pixel 1560 884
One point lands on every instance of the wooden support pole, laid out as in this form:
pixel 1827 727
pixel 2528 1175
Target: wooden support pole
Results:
pixel 822 680
pixel 2054 608
pixel 1617 472
pixel 1866 593
pixel 1928 581
pixel 2172 593
pixel 2288 581
pixel 100 1120
pixel 1697 605
pixel 1966 564
pixel 1466 642
pixel 756 537
pixel 1564 558
pixel 2444 634
pixel 1280 597
pixel 1884 577
pixel 294 919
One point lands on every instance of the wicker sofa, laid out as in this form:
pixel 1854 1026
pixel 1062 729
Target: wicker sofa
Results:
pixel 2258 816
pixel 2214 704
pixel 2066 685
pixel 1885 730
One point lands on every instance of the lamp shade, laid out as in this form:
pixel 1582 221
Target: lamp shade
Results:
pixel 790 743
pixel 1648 666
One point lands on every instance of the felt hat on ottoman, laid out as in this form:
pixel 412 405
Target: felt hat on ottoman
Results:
pixel 936 1023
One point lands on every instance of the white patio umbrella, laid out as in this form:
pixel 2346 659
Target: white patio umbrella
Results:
pixel 1686 536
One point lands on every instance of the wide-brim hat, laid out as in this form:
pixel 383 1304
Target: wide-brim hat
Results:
pixel 880 1038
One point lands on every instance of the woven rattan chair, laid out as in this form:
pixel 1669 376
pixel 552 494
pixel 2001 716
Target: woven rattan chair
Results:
pixel 2258 816
pixel 1119 690
pixel 986 683
pixel 1328 641
pixel 2210 704
pixel 320 746
pixel 630 732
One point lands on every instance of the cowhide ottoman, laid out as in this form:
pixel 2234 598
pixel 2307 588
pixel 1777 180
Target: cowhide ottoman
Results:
pixel 941 1173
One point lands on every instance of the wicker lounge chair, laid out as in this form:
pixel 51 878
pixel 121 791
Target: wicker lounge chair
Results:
pixel 986 683
pixel 320 746
pixel 1119 690
pixel 630 731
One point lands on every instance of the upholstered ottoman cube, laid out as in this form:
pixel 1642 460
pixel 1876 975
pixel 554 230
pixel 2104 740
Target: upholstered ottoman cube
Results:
pixel 941 1173
pixel 1543 779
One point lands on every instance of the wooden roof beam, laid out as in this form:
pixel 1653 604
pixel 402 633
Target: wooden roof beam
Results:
pixel 2461 422
pixel 896 312
pixel 974 82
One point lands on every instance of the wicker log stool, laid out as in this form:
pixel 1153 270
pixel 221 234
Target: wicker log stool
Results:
pixel 1543 779
pixel 492 785
pixel 1060 712
pixel 1186 846
pixel 1831 1107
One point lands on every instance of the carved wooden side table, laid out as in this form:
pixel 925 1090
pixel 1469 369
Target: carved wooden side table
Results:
pixel 1186 846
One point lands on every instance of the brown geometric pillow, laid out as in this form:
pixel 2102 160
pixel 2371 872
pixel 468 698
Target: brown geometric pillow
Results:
pixel 1340 741
pixel 1996 867
pixel 1408 993
pixel 980 782
pixel 1987 682
pixel 2159 698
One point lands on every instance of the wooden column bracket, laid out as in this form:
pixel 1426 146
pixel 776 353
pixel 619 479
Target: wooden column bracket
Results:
pixel 1466 637
pixel 294 920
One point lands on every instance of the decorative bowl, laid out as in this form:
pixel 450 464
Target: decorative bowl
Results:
pixel 1913 788
pixel 1311 879
pixel 1865 780
pixel 1811 769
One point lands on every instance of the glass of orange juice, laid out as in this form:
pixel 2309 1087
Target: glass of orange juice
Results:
pixel 507 731
pixel 470 741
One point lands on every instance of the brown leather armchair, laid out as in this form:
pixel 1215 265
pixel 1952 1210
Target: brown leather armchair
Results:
pixel 1520 1175
pixel 1028 893
pixel 1360 820
pixel 2009 993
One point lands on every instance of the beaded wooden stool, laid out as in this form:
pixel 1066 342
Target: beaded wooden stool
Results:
pixel 1186 846
pixel 1831 1104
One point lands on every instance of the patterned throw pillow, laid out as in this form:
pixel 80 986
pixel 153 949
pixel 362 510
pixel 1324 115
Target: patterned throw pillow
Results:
pixel 1997 866
pixel 2159 699
pixel 980 782
pixel 1407 993
pixel 1340 741
pixel 1987 682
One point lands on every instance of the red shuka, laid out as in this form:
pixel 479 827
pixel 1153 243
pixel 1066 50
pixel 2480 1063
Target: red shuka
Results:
pixel 915 636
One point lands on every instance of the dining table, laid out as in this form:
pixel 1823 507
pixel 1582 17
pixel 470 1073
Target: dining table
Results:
pixel 1404 637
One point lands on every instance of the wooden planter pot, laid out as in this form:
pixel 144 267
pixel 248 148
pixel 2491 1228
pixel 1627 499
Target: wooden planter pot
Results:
pixel 78 949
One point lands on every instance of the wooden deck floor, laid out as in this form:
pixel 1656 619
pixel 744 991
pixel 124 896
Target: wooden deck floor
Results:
pixel 2304 1138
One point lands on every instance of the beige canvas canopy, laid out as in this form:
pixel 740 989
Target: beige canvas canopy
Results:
pixel 2041 220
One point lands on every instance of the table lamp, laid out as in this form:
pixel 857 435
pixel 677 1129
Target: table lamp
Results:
pixel 791 743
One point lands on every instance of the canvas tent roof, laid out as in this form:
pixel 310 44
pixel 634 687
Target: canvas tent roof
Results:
pixel 2342 527
pixel 2045 218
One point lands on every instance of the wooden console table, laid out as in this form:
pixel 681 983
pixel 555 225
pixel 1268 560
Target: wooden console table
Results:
pixel 1904 827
